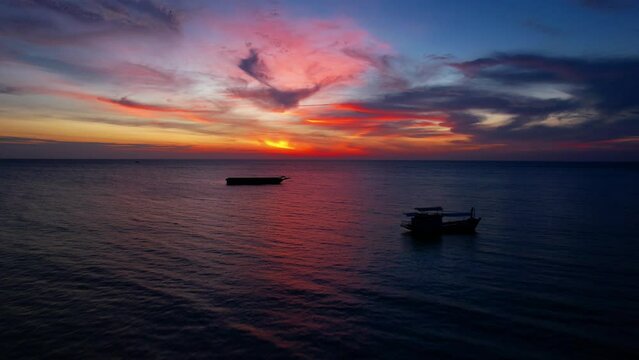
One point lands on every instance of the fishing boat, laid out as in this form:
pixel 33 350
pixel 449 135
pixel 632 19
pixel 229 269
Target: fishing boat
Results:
pixel 430 220
pixel 275 180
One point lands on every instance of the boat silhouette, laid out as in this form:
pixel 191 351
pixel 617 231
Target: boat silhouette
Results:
pixel 274 180
pixel 429 220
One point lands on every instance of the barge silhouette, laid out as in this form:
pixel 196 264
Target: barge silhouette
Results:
pixel 274 180
pixel 429 220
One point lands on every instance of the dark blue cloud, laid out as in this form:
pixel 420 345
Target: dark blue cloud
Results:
pixel 542 27
pixel 608 4
pixel 610 83
pixel 255 68
pixel 8 89
pixel 63 22
pixel 129 13
pixel 275 99
pixel 601 100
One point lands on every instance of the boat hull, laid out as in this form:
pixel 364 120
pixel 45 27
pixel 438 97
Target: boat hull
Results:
pixel 255 180
pixel 466 226
pixel 460 227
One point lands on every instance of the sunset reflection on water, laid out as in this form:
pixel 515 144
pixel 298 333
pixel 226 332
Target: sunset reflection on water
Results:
pixel 162 259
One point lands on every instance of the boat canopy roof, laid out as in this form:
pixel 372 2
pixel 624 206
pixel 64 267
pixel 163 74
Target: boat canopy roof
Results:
pixel 448 214
pixel 413 214
pixel 453 214
pixel 424 211
pixel 434 208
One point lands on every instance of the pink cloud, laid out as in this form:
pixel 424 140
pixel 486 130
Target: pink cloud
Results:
pixel 292 57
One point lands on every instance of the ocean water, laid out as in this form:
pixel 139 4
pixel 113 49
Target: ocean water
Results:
pixel 160 259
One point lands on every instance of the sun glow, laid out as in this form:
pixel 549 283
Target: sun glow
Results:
pixel 282 144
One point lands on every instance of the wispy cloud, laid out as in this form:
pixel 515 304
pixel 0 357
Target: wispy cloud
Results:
pixel 607 4
pixel 37 148
pixel 600 104
pixel 542 27
pixel 365 121
pixel 139 14
pixel 269 96
pixel 286 61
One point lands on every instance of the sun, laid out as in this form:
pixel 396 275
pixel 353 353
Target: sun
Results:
pixel 281 144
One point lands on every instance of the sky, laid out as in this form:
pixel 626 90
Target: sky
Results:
pixel 428 79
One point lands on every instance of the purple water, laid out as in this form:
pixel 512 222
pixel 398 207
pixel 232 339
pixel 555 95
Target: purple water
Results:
pixel 160 259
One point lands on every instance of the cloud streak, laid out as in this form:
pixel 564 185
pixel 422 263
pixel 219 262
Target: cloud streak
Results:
pixel 269 96
pixel 139 14
pixel 600 103
pixel 38 148
pixel 607 4
pixel 289 61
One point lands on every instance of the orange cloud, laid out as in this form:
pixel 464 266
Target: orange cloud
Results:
pixel 151 110
pixel 123 104
pixel 364 121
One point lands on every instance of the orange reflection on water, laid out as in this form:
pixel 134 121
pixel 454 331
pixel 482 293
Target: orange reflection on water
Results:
pixel 301 253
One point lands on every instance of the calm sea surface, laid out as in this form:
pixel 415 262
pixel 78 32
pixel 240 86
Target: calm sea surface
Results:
pixel 160 259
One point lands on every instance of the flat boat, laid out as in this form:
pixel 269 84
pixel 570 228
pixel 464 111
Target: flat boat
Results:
pixel 255 180
pixel 429 220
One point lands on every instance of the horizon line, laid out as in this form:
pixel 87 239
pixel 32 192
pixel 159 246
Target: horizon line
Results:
pixel 315 159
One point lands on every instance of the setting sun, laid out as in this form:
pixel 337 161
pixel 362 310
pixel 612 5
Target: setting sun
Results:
pixel 282 144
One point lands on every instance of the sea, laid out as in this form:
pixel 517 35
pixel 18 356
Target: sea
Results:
pixel 108 259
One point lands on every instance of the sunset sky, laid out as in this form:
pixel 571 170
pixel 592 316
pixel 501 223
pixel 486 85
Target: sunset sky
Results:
pixel 490 80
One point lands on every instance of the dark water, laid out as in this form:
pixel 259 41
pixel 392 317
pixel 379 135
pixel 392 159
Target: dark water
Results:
pixel 162 260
